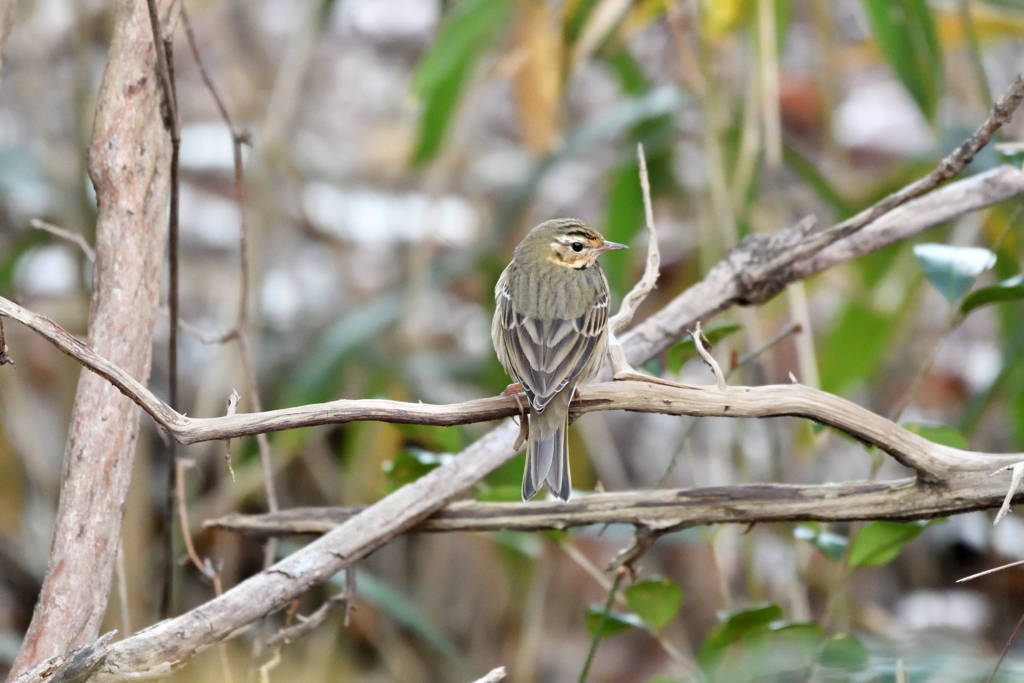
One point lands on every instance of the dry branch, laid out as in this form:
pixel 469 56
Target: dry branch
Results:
pixel 127 164
pixel 667 509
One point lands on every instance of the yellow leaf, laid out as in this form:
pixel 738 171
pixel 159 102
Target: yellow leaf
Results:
pixel 538 80
pixel 722 17
pixel 605 17
pixel 989 23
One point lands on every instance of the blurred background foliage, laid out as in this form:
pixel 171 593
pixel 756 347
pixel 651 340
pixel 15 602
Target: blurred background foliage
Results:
pixel 401 150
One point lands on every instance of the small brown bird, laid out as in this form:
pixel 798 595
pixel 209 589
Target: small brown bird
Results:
pixel 550 331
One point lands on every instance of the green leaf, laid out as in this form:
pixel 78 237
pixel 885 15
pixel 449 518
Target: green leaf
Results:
pixel 735 627
pixel 656 601
pixel 880 542
pixel 853 348
pixel 614 622
pixel 952 270
pixel 685 350
pixel 843 652
pixel 906 37
pixel 947 436
pixel 1007 290
pixel 831 545
pixel 410 465
pixel 471 25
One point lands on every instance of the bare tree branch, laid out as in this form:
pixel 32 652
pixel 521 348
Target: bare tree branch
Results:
pixel 667 509
pixel 127 163
pixel 73 237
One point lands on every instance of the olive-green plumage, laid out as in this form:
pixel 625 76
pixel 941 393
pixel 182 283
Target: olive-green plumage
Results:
pixel 550 334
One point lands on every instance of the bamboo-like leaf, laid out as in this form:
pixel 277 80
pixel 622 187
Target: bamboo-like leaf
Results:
pixel 906 36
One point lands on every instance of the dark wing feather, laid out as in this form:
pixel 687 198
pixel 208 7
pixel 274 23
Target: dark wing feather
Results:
pixel 545 355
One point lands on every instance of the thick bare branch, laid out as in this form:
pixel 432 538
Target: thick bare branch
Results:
pixel 743 277
pixel 127 163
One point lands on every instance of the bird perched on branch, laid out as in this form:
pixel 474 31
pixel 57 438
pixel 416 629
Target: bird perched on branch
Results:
pixel 550 331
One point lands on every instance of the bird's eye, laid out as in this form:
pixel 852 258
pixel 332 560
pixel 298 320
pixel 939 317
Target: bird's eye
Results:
pixel 577 247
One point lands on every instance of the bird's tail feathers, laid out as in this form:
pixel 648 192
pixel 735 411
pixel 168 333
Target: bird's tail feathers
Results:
pixel 547 457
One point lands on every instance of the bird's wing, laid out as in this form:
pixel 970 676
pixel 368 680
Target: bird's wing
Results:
pixel 545 355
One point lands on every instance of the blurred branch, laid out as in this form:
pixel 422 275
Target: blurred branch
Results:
pixel 494 676
pixel 5 359
pixel 163 47
pixel 7 12
pixel 60 232
pixel 240 333
pixel 664 510
pixel 127 162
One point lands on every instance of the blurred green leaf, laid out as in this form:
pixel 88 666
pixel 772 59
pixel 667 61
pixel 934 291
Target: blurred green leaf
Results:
pixel 1007 290
pixel 432 437
pixel 947 436
pixel 817 181
pixel 503 493
pixel 831 545
pixel 879 542
pixel 438 82
pixel 317 376
pixel 1015 157
pixel 656 601
pixel 843 652
pixel 906 37
pixel 679 353
pixel 853 348
pixel 404 612
pixel 735 627
pixel 410 465
pixel 952 270
pixel 614 622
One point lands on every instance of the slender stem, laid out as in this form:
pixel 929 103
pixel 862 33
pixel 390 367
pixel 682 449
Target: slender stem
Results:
pixel 1006 648
pixel 600 625
pixel 974 49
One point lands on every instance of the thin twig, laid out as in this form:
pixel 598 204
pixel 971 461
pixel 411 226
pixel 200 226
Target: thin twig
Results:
pixel 163 48
pixel 122 591
pixel 205 567
pixel 494 676
pixel 307 624
pixel 1006 648
pixel 621 368
pixel 1000 568
pixel 974 49
pixel 591 569
pixel 698 342
pixel 68 235
pixel 600 624
pixel 241 331
pixel 5 358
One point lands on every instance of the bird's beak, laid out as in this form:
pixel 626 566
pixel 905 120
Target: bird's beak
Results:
pixel 610 246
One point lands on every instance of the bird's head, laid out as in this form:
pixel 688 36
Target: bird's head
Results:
pixel 567 242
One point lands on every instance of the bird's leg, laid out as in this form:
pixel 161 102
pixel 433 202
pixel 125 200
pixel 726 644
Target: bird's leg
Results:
pixel 524 420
